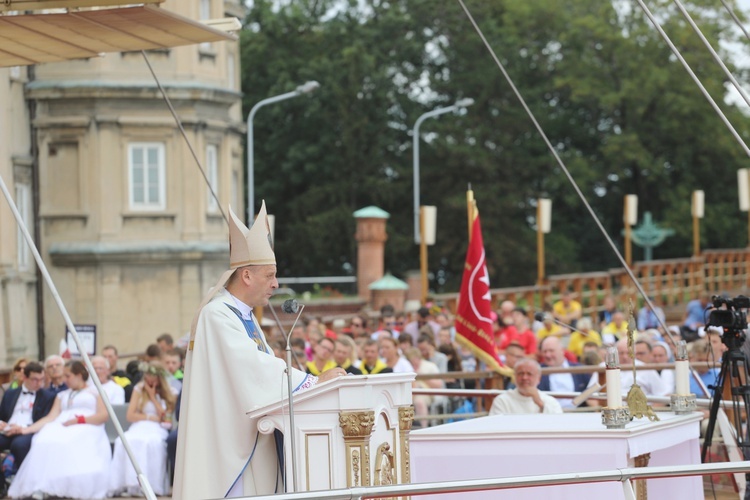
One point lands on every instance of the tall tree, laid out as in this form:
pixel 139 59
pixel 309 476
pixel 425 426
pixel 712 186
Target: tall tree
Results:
pixel 618 107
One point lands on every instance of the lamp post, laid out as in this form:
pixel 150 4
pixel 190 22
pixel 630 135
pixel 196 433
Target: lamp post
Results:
pixel 743 182
pixel 427 227
pixel 697 210
pixel 305 88
pixel 543 226
pixel 630 219
pixel 460 104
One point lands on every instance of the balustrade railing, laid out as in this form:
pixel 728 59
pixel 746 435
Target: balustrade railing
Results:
pixel 673 281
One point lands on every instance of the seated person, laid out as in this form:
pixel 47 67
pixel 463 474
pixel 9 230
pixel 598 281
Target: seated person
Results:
pixel 566 310
pixel 585 333
pixel 343 355
pixel 371 362
pixel 70 455
pixel 172 361
pixel 150 413
pixel 554 357
pixel 526 397
pixel 648 380
pixel 422 366
pixel 16 376
pixel 392 357
pixel 550 328
pixel 616 329
pixel 660 353
pixel 118 376
pixel 55 375
pixel 21 407
pixel 114 391
pixel 322 357
pixel 700 351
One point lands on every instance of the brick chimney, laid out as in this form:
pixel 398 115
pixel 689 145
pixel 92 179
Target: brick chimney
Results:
pixel 371 237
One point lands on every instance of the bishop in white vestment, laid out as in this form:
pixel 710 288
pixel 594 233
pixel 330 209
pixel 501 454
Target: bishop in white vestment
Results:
pixel 230 370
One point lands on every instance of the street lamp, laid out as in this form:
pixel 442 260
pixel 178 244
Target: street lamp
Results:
pixel 460 104
pixel 305 88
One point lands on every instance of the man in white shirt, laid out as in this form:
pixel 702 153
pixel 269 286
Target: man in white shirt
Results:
pixel 392 357
pixel 648 380
pixel 526 397
pixel 552 352
pixel 115 393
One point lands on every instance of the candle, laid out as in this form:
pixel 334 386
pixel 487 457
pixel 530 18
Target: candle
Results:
pixel 614 390
pixel 614 382
pixel 682 370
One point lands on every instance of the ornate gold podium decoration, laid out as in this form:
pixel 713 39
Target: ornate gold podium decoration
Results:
pixel 405 419
pixel 385 470
pixel 357 428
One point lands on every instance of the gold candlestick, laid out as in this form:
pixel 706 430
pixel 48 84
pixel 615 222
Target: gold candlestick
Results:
pixel 636 399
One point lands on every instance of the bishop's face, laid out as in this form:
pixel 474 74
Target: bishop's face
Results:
pixel 260 283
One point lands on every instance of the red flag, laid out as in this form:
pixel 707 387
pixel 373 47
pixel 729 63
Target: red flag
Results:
pixel 473 322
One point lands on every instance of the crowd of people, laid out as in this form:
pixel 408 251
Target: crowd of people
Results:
pixel 563 337
pixel 52 418
pixel 55 403
pixel 424 342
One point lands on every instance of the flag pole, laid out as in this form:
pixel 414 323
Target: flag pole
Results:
pixel 470 204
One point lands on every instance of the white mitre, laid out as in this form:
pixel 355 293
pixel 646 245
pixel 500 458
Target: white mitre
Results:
pixel 247 247
pixel 250 247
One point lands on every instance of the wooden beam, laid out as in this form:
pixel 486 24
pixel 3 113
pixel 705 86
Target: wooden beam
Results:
pixel 22 5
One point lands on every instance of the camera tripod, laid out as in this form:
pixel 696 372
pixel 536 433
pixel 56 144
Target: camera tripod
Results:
pixel 734 369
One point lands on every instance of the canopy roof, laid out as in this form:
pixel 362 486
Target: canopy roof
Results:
pixel 48 37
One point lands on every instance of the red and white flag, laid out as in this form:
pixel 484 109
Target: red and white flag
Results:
pixel 473 322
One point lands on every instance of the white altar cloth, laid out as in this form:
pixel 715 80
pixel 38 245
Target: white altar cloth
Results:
pixel 526 445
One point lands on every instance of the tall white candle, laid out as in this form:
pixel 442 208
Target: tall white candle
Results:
pixel 614 388
pixel 682 377
pixel 682 370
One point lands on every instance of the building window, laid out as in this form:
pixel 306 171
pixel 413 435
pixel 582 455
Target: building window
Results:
pixel 205 13
pixel 23 202
pixel 146 166
pixel 212 172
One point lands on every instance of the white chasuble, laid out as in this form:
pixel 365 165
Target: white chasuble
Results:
pixel 227 375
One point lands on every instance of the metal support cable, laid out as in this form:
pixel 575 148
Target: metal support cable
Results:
pixel 736 19
pixel 184 135
pixel 562 166
pixel 687 67
pixel 714 54
pixel 81 348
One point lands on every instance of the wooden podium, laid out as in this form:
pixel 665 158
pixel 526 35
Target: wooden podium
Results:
pixel 352 431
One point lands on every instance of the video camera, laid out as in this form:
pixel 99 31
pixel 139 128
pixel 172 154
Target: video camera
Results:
pixel 729 314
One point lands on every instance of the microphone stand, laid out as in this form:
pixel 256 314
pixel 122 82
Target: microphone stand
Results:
pixel 292 436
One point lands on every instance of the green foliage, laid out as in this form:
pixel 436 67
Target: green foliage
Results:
pixel 613 100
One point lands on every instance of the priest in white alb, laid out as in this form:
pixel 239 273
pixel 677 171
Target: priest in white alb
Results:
pixel 526 398
pixel 230 370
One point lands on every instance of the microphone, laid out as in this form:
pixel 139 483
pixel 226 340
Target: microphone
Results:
pixel 290 306
pixel 539 316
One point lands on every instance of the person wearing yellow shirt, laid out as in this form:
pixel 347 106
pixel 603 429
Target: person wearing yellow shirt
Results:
pixel 322 357
pixel 549 328
pixel 615 329
pixel 566 310
pixel 585 333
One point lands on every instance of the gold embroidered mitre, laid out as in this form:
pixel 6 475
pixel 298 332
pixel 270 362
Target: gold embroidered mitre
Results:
pixel 250 247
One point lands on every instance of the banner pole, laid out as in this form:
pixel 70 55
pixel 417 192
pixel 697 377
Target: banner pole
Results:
pixel 470 204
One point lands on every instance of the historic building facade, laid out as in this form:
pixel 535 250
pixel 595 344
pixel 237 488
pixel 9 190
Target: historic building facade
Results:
pixel 124 218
